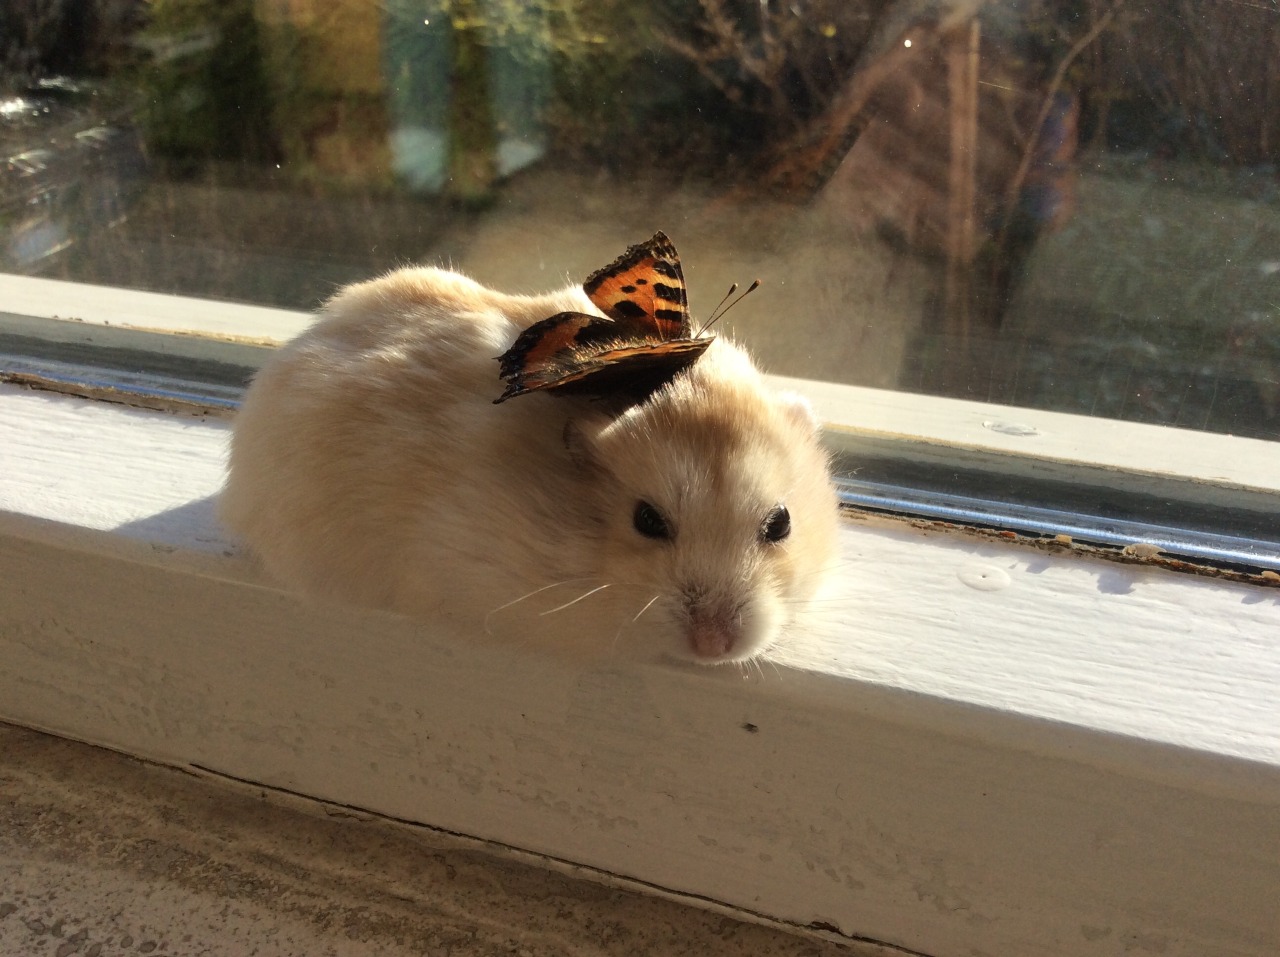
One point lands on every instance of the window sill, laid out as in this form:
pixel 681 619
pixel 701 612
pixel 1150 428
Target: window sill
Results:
pixel 981 748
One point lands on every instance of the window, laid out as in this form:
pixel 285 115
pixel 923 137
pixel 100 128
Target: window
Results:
pixel 1065 206
pixel 1061 205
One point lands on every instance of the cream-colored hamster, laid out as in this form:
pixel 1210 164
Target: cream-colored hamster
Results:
pixel 369 464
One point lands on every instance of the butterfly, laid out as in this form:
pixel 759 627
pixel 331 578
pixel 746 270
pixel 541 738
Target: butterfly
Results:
pixel 645 341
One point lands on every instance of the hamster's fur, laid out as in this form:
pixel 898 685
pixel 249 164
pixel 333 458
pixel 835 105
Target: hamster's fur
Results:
pixel 369 464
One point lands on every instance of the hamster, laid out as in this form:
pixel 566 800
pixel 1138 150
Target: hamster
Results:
pixel 369 464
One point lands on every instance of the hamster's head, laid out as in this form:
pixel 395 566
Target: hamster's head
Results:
pixel 715 502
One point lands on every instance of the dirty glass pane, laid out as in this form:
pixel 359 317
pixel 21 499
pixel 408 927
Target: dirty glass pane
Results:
pixel 1066 204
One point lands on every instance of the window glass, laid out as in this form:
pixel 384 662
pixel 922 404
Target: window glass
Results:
pixel 1065 204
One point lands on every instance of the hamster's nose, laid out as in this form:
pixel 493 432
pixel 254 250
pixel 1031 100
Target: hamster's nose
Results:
pixel 711 634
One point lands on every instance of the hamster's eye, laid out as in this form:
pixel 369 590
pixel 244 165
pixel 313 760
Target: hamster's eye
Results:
pixel 649 521
pixel 777 525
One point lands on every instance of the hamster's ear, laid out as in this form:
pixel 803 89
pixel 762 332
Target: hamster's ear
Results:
pixel 800 412
pixel 580 440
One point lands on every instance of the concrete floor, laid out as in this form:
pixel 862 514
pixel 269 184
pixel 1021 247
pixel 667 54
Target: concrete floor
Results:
pixel 102 855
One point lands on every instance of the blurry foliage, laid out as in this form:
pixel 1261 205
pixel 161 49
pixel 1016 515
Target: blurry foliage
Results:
pixel 533 28
pixel 673 84
pixel 1196 79
pixel 470 120
pixel 79 38
pixel 203 82
pixel 692 84
pixel 29 33
pixel 612 102
pixel 324 85
pixel 780 62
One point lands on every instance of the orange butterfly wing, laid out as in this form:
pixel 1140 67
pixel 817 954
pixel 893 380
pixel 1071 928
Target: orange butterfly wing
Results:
pixel 575 353
pixel 646 340
pixel 644 288
pixel 549 350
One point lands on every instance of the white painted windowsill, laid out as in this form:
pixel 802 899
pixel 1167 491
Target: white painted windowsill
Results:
pixel 982 747
pixel 977 747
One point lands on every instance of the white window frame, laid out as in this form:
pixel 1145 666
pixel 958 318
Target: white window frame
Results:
pixel 974 747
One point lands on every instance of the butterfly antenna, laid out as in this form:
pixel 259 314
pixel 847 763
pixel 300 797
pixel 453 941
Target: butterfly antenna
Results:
pixel 718 313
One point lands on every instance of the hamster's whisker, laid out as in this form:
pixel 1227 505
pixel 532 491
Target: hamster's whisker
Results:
pixel 617 635
pixel 758 662
pixel 613 645
pixel 836 566
pixel 528 595
pixel 648 605
pixel 552 611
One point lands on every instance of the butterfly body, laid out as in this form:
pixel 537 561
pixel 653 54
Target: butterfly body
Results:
pixel 642 341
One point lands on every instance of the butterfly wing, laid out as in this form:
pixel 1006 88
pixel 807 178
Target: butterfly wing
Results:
pixel 645 341
pixel 574 353
pixel 644 289
pixel 632 372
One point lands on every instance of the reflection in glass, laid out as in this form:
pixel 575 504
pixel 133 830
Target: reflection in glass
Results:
pixel 1065 204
